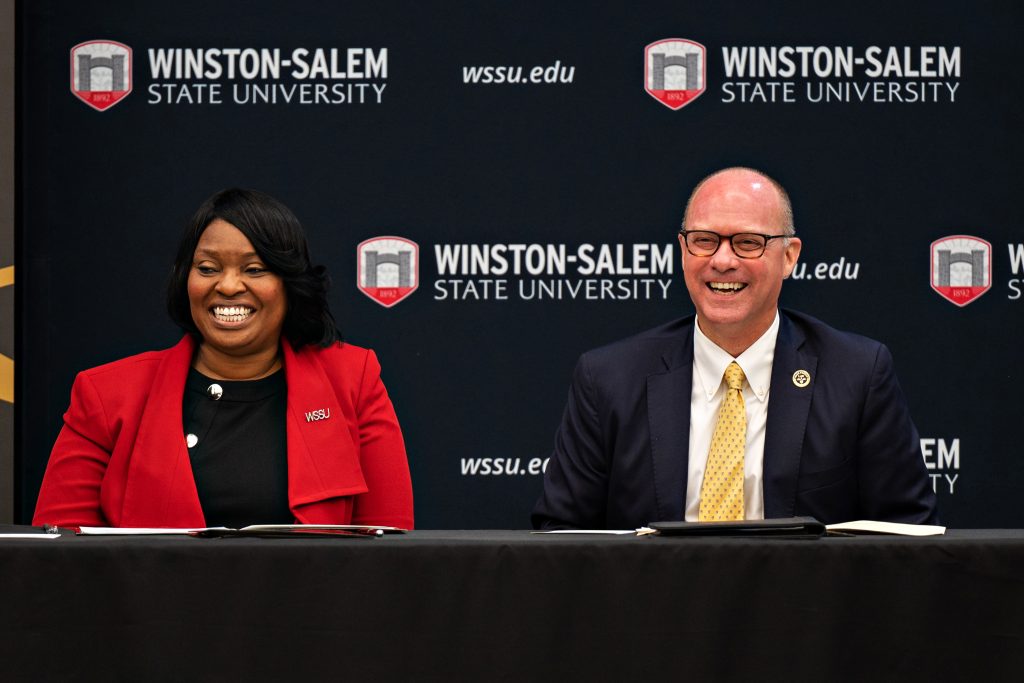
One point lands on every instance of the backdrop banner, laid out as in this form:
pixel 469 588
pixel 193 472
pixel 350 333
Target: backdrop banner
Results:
pixel 498 189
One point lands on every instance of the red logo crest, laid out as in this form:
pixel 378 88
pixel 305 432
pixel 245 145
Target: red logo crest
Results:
pixel 961 268
pixel 101 73
pixel 389 269
pixel 674 71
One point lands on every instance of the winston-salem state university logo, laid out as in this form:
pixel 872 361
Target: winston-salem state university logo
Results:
pixel 101 72
pixel 389 269
pixel 674 71
pixel 961 268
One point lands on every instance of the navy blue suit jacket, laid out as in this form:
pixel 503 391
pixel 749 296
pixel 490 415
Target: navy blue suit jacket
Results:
pixel 840 449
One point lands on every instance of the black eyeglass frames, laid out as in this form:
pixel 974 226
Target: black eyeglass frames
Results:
pixel 744 244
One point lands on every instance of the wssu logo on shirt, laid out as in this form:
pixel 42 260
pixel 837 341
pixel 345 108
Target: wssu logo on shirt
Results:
pixel 316 415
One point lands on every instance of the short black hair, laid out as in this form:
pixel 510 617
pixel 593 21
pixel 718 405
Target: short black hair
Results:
pixel 280 241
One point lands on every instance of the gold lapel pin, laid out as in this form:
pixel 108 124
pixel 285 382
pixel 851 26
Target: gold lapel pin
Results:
pixel 801 378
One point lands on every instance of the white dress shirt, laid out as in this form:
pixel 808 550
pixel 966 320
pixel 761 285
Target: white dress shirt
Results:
pixel 706 396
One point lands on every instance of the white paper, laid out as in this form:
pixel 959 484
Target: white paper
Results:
pixel 612 532
pixel 341 527
pixel 137 531
pixel 872 527
pixel 29 535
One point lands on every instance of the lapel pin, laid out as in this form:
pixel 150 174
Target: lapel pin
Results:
pixel 801 378
pixel 318 414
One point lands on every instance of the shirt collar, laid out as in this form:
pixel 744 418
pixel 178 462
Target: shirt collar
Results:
pixel 710 361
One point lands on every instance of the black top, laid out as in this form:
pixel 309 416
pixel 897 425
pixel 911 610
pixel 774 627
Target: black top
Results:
pixel 239 448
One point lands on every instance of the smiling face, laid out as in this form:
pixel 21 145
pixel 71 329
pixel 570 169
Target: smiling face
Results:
pixel 237 304
pixel 736 298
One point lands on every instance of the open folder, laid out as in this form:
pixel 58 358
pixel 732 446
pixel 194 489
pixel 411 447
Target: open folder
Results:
pixel 257 530
pixel 793 527
pixel 293 530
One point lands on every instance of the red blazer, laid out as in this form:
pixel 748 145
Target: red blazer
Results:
pixel 121 458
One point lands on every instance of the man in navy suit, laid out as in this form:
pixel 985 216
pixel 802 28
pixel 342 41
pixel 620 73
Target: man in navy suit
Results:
pixel 828 431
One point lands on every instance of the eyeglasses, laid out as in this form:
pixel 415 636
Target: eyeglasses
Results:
pixel 744 244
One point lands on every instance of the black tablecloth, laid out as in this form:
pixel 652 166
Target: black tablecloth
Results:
pixel 510 605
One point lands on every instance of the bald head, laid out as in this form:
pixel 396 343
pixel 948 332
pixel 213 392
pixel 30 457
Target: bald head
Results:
pixel 736 294
pixel 740 189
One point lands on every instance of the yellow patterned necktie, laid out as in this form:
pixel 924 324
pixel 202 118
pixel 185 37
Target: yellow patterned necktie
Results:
pixel 721 493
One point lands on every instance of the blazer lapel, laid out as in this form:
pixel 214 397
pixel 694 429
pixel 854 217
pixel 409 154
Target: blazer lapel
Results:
pixel 668 410
pixel 160 489
pixel 788 408
pixel 323 459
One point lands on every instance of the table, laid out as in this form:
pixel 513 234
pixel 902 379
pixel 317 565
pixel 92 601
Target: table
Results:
pixel 514 606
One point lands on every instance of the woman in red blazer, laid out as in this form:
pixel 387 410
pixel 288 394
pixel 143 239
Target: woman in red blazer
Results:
pixel 259 414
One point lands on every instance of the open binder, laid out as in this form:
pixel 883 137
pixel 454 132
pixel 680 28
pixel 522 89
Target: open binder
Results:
pixel 299 530
pixel 257 530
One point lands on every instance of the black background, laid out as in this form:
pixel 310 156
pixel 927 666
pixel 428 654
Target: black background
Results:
pixel 104 196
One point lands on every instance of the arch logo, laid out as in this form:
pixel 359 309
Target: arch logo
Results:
pixel 674 71
pixel 961 268
pixel 389 269
pixel 101 73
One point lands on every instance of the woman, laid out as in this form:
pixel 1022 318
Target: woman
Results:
pixel 260 414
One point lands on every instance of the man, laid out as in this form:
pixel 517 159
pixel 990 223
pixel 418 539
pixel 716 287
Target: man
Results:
pixel 743 412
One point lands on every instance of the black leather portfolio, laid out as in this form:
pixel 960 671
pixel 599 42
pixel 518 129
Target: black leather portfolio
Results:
pixel 805 527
